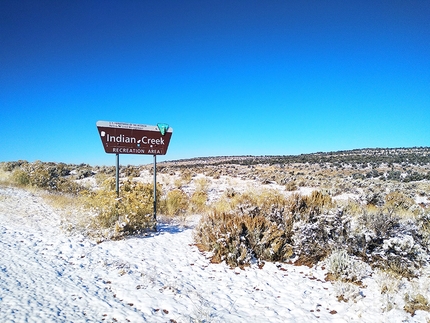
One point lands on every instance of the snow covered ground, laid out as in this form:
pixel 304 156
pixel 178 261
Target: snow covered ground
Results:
pixel 47 275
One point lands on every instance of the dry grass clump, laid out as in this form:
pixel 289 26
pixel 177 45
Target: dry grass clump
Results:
pixel 354 208
pixel 62 201
pixel 415 303
pixel 186 176
pixel 347 292
pixel 4 177
pixel 101 177
pixel 131 213
pixel 304 207
pixel 388 282
pixel 222 205
pixel 176 203
pixel 198 199
pixel 397 292
pixel 202 184
pixel 198 202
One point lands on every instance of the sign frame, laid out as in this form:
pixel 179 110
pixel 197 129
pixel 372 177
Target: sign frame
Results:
pixel 131 138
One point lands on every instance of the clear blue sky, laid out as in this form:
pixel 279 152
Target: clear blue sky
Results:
pixel 230 77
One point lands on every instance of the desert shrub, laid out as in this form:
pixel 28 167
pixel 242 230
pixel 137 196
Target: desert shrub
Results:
pixel 246 203
pixel 387 282
pixel 225 203
pixel 197 201
pixel 47 176
pixel 296 204
pixel 268 203
pixel 423 222
pixel 176 203
pixel 105 205
pixel 370 230
pixel 394 175
pixel 239 239
pixel 230 193
pixel 354 208
pixel 131 171
pixel 12 165
pixel 342 266
pixel 222 205
pixel 107 170
pixel 220 234
pixel 216 175
pixel 202 184
pixel 84 172
pixel 373 198
pixel 389 286
pixel 66 185
pixel 136 206
pixel 269 216
pixel 314 227
pixel 415 176
pixel 385 242
pixel 316 235
pixel 291 186
pixel 131 213
pixel 266 240
pixel 20 177
pixel 184 178
pixel 62 169
pixel 186 175
pixel 42 176
pixel 178 183
pixel 398 203
pixel 402 254
pixel 358 176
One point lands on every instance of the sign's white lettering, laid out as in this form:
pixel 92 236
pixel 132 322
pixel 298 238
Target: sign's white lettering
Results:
pixel 147 140
pixel 121 138
pixel 154 151
pixel 128 150
pixel 131 140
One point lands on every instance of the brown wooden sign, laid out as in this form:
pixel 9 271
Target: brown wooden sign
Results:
pixel 129 138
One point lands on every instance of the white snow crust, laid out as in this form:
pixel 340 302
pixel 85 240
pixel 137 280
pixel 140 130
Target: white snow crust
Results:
pixel 48 275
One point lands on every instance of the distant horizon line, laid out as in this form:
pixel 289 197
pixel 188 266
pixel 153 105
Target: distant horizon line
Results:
pixel 247 156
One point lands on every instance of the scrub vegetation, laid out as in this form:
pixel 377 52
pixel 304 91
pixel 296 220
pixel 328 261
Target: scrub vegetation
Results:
pixel 130 213
pixel 356 213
